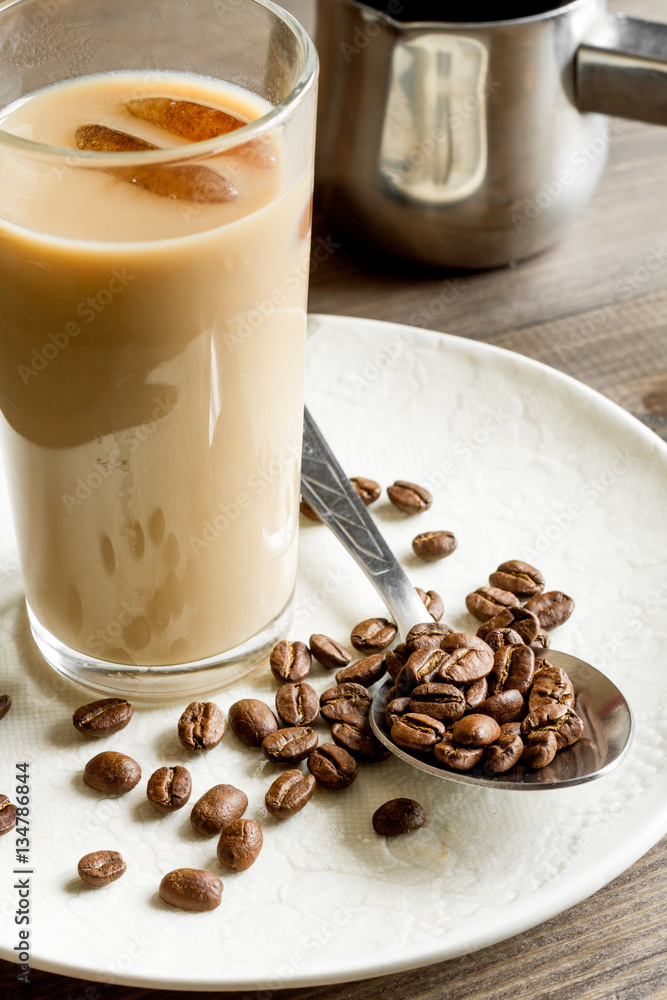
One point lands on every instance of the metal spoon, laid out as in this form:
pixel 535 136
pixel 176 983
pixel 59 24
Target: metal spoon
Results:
pixel 608 723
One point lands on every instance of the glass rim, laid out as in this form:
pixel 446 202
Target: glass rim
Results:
pixel 206 148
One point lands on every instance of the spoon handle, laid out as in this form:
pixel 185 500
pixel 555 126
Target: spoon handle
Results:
pixel 329 491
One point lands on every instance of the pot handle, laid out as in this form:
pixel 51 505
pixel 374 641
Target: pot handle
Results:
pixel 621 70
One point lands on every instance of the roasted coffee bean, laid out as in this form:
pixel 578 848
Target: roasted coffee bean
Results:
pixel 297 704
pixel 475 730
pixel 433 545
pixel 432 602
pixel 169 788
pixel 441 701
pixel 550 685
pixel 513 667
pixel 426 634
pixel 396 708
pixel 308 511
pixel 503 706
pixel 368 490
pixel 511 727
pixel 289 745
pixel 523 622
pixel 401 688
pixel 396 658
pixel 559 719
pixel 332 766
pixel 191 889
pixel 112 773
pixel 398 816
pixel 290 661
pixel 423 665
pixel 373 635
pixel 360 742
pixel 541 641
pixel 365 672
pixel 499 637
pixel 409 498
pixel 476 692
pixel 289 793
pixel 7 815
pixel 503 753
pixel 552 608
pixel 103 718
pixel 417 732
pixel 485 602
pixel 467 658
pixel 539 748
pixel 101 867
pixel 251 720
pixel 329 653
pixel 5 704
pixel 217 808
pixel 201 726
pixel 239 845
pixel 345 703
pixel 518 577
pixel 458 758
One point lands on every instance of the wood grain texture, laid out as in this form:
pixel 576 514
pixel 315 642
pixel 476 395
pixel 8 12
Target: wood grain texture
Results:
pixel 595 306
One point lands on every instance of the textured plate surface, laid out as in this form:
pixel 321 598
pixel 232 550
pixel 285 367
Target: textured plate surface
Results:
pixel 523 463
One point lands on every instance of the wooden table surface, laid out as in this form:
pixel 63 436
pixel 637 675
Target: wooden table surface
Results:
pixel 594 309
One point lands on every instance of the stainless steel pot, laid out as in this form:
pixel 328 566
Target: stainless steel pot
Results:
pixel 471 145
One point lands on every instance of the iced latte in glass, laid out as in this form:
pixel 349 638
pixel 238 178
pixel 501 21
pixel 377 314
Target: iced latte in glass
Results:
pixel 154 250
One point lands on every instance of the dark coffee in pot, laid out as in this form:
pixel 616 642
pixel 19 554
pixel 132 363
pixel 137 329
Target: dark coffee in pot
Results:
pixel 441 10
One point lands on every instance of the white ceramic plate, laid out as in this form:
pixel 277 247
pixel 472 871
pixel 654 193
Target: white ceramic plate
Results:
pixel 523 463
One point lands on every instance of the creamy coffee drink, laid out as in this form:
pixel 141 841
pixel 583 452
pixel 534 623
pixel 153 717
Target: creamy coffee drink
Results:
pixel 152 330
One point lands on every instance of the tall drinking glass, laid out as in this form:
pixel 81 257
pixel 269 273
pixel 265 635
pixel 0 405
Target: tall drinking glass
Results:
pixel 155 191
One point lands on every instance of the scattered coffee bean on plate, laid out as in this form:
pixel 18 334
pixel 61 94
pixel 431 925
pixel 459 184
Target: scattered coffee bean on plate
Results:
pixel 308 511
pixel 290 661
pixel 251 720
pixel 328 652
pixel 239 845
pixel 518 577
pixel 332 767
pixel 289 745
pixel 169 788
pixel 409 498
pixel 101 867
pixel 217 808
pixel 112 773
pixel 552 608
pixel 102 718
pixel 191 889
pixel 5 704
pixel 346 702
pixel 297 704
pixel 366 671
pixel 360 742
pixel 7 815
pixel 398 816
pixel 433 603
pixel 373 635
pixel 201 726
pixel 433 545
pixel 289 793
pixel 485 602
pixel 368 489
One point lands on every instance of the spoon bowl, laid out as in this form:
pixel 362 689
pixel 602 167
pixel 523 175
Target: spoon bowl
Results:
pixel 603 744
pixel 607 718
